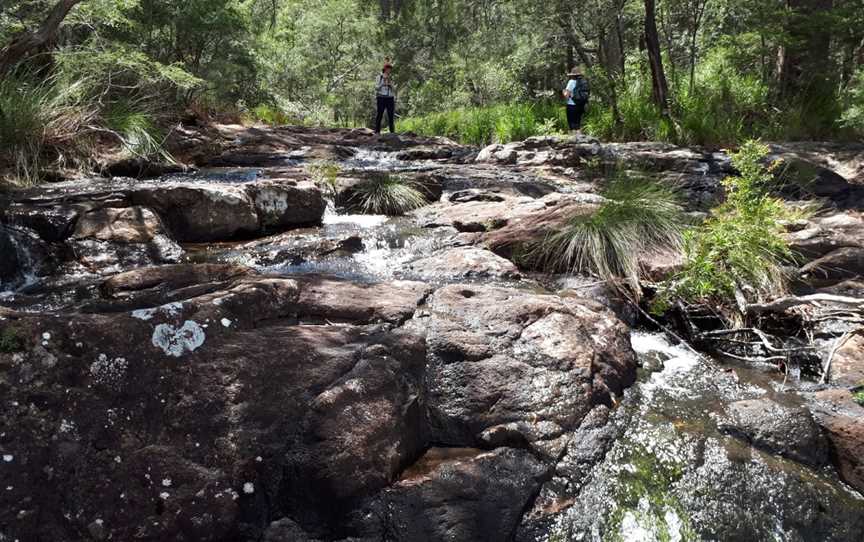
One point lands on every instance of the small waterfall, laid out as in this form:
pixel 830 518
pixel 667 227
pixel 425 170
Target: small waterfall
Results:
pixel 18 264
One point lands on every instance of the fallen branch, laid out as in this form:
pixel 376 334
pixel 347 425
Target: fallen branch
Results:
pixel 780 305
pixel 759 359
pixel 837 345
pixel 763 339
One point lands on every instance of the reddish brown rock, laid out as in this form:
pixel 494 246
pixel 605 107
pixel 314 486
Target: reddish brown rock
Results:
pixel 847 366
pixel 463 262
pixel 843 420
pixel 513 368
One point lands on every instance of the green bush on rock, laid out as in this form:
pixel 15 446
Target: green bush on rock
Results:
pixel 740 248
pixel 10 341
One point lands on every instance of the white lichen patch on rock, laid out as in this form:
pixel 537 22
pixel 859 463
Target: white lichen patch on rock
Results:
pixel 107 371
pixel 248 488
pixel 8 458
pixel 226 322
pixel 168 310
pixel 177 341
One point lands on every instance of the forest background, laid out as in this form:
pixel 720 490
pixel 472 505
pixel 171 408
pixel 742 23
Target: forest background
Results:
pixel 710 72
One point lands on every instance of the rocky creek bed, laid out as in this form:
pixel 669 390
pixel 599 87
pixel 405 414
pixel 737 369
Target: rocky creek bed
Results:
pixel 222 355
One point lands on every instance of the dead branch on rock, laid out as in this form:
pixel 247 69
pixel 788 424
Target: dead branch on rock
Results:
pixel 837 345
pixel 783 303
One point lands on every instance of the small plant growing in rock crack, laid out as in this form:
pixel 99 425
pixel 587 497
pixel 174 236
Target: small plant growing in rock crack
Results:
pixel 740 247
pixel 325 175
pixel 386 194
pixel 10 341
pixel 859 396
pixel 639 217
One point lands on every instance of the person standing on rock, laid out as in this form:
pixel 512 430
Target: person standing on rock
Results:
pixel 577 93
pixel 385 95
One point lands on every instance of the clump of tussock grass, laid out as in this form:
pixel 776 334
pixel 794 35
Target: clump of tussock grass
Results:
pixel 638 218
pixel 386 194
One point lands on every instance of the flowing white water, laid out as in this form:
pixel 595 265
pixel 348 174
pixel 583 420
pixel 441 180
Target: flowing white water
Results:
pixel 672 475
pixel 21 256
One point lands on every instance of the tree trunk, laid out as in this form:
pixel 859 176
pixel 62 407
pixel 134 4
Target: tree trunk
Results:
pixel 804 58
pixel 659 86
pixel 26 43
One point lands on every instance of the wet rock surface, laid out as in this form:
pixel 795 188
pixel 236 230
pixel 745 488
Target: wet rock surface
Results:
pixel 786 431
pixel 222 354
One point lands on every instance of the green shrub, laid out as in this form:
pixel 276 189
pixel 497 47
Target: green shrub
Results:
pixel 137 128
pixel 325 175
pixel 10 341
pixel 386 194
pixel 853 101
pixel 639 217
pixel 494 124
pixel 36 116
pixel 740 247
pixel 859 397
pixel 270 115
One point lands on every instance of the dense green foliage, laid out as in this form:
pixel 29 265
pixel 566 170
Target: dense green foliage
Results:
pixel 740 248
pixel 476 70
pixel 638 218
pixel 10 341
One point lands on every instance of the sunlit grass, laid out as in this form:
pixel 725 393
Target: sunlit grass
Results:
pixel 386 194
pixel 639 217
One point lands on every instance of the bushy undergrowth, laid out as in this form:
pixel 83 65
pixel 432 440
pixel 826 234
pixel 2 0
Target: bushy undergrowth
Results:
pixel 10 341
pixel 137 128
pixel 724 106
pixel 56 123
pixel 740 248
pixel 36 117
pixel 639 217
pixel 494 124
pixel 386 194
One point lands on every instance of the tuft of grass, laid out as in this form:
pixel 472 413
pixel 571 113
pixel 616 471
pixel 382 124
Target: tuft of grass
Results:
pixel 137 129
pixel 740 248
pixel 386 194
pixel 10 341
pixel 859 397
pixel 639 217
pixel 37 116
pixel 325 175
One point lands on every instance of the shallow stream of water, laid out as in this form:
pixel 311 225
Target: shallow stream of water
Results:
pixel 673 476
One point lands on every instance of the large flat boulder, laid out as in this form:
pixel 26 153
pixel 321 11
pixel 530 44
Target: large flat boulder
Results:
pixel 201 419
pixel 212 212
pixel 463 263
pixel 510 368
pixel 108 240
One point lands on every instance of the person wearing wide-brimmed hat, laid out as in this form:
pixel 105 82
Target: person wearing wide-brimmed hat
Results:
pixel 385 97
pixel 577 93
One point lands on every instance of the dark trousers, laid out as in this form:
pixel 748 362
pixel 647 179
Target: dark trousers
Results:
pixel 385 103
pixel 574 115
